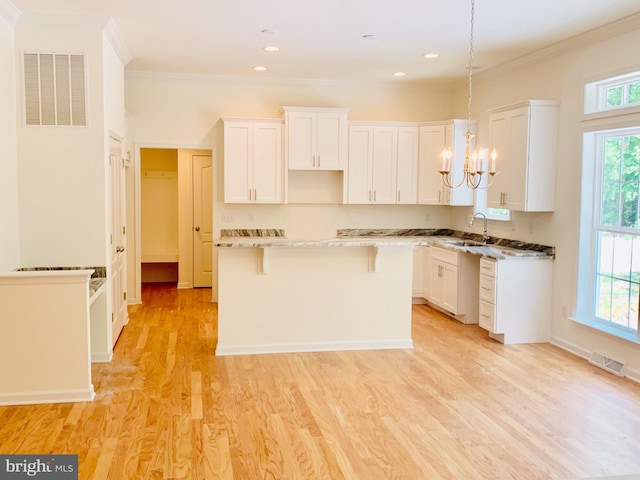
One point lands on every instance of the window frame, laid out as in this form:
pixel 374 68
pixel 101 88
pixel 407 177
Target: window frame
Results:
pixel 617 121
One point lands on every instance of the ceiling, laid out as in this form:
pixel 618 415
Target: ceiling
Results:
pixel 324 39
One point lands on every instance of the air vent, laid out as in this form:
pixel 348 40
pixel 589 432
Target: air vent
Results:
pixel 608 364
pixel 54 89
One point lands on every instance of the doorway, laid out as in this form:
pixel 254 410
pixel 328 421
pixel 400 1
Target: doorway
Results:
pixel 174 211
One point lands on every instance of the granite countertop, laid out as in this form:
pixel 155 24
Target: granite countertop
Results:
pixel 96 282
pixel 497 248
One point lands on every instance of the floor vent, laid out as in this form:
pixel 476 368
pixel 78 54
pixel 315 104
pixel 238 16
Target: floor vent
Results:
pixel 609 364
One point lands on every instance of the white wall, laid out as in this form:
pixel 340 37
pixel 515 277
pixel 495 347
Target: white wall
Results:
pixel 184 111
pixel 561 77
pixel 62 169
pixel 9 225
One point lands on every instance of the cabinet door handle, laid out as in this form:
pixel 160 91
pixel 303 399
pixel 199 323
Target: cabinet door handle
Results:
pixel 374 196
pixel 255 194
pixel 318 161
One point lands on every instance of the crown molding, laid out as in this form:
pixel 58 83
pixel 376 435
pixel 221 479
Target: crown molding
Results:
pixel 591 37
pixel 263 80
pixel 113 35
pixel 9 12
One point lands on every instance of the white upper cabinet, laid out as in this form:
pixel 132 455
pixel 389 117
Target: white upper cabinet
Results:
pixel 316 138
pixel 525 137
pixel 407 171
pixel 434 138
pixel 383 163
pixel 252 161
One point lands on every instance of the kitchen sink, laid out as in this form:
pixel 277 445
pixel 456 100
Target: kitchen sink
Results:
pixel 464 243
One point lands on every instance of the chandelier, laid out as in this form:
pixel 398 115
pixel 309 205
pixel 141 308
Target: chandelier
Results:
pixel 476 163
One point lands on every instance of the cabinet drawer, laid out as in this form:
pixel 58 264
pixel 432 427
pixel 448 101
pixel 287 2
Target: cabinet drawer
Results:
pixel 444 255
pixel 487 267
pixel 487 288
pixel 487 315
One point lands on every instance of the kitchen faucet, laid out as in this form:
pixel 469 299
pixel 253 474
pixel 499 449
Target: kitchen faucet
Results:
pixel 485 237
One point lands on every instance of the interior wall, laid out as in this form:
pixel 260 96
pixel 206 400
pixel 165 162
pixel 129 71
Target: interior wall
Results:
pixel 559 77
pixel 184 111
pixel 9 221
pixel 62 169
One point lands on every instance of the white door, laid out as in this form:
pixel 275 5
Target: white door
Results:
pixel 118 271
pixel 202 220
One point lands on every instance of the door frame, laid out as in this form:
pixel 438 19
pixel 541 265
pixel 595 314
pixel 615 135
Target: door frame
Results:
pixel 185 215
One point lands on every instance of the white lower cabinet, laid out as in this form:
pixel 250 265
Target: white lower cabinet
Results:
pixel 453 283
pixel 515 299
pixel 418 272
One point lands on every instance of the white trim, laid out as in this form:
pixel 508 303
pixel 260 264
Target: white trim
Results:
pixel 51 396
pixel 312 347
pixel 610 30
pixel 101 357
pixel 9 12
pixel 113 35
pixel 570 347
pixel 260 80
pixel 629 373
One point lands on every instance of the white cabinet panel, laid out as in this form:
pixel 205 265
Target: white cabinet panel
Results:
pixel 515 299
pixel 453 282
pixel 434 138
pixel 382 164
pixel 407 169
pixel 252 161
pixel 316 138
pixel 525 137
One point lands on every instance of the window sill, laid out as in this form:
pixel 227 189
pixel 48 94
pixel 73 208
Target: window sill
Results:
pixel 601 327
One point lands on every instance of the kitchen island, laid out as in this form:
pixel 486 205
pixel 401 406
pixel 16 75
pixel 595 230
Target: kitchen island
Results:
pixel 354 291
pixel 279 295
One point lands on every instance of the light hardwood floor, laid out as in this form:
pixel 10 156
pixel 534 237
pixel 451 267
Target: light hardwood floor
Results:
pixel 457 406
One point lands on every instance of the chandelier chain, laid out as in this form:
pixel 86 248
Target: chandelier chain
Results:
pixel 470 66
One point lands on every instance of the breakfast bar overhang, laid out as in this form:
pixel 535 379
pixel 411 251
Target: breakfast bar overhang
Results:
pixel 278 295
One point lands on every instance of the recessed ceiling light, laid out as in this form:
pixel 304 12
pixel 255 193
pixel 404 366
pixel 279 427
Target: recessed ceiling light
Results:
pixel 268 31
pixel 370 36
pixel 271 48
pixel 431 55
pixel 399 74
pixel 259 68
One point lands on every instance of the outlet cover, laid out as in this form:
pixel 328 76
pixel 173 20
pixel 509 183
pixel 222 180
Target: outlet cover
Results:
pixel 227 217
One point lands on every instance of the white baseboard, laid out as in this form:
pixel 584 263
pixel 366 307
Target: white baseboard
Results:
pixel 55 396
pixel 630 373
pixel 101 357
pixel 312 347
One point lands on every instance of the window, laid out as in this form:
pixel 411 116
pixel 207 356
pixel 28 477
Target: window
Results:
pixel 609 252
pixel 503 214
pixel 613 93
pixel 620 93
pixel 617 229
